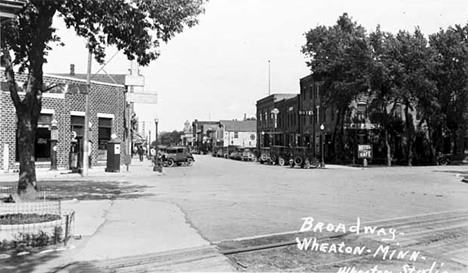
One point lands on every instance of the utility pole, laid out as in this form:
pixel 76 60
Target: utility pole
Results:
pixel 269 79
pixel 86 121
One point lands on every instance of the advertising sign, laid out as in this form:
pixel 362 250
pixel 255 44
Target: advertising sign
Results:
pixel 365 151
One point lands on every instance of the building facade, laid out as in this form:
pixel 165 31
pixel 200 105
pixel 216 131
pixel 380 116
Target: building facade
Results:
pixel 273 118
pixel 236 133
pixel 204 134
pixel 187 138
pixel 65 103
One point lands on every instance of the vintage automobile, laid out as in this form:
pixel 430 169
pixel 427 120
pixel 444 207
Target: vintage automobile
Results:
pixel 215 151
pixel 303 157
pixel 227 151
pixel 247 154
pixel 280 155
pixel 177 155
pixel 236 154
pixel 264 155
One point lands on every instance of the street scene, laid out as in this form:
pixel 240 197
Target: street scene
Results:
pixel 233 136
pixel 193 214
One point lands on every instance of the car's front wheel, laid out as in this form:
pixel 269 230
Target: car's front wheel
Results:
pixel 170 162
pixel 189 161
pixel 281 161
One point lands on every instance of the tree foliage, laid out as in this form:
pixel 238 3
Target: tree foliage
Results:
pixel 136 27
pixel 339 55
pixel 427 76
pixel 170 138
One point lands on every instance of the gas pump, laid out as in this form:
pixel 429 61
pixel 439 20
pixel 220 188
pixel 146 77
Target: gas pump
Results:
pixel 74 154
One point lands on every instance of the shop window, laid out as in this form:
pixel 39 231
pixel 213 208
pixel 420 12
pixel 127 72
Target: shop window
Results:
pixel 105 131
pixel 42 140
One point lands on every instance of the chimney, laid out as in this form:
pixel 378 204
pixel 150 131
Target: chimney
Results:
pixel 245 116
pixel 72 70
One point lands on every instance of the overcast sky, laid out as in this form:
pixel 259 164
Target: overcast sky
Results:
pixel 219 68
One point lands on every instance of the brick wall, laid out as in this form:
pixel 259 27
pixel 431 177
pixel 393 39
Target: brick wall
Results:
pixel 104 98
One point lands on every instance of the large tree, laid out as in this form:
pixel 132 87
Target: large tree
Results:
pixel 136 27
pixel 340 56
pixel 450 74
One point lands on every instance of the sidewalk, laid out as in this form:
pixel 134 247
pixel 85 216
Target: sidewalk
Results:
pixel 123 230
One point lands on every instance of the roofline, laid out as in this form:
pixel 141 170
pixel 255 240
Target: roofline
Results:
pixel 75 79
pixel 81 80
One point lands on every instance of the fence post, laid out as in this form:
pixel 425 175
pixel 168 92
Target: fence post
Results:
pixel 60 207
pixel 67 217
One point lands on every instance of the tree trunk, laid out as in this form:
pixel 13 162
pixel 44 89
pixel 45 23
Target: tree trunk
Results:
pixel 431 143
pixel 335 130
pixel 27 184
pixel 29 107
pixel 389 152
pixel 409 133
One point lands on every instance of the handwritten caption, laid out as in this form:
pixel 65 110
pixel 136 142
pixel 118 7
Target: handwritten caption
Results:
pixel 382 251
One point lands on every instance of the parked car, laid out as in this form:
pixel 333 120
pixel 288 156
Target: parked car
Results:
pixel 264 155
pixel 247 154
pixel 303 157
pixel 177 155
pixel 229 150
pixel 236 154
pixel 280 155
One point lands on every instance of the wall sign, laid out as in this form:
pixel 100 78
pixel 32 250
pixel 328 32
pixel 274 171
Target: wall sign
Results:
pixel 365 151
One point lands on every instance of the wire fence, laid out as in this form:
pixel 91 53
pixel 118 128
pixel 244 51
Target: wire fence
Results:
pixel 43 194
pixel 34 224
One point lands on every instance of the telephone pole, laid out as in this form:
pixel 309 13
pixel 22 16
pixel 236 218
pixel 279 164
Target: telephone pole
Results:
pixel 86 121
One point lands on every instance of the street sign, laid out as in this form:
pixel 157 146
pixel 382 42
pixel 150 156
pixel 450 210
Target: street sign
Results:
pixel 134 80
pixel 365 151
pixel 150 98
pixel 306 113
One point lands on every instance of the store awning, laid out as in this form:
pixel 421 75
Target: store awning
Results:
pixel 137 138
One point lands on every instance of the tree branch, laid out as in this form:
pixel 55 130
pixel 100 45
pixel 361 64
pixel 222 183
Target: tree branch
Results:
pixel 10 76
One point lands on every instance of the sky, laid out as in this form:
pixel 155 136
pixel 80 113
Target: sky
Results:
pixel 220 68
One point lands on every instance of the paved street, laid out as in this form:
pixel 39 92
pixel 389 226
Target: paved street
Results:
pixel 167 222
pixel 226 199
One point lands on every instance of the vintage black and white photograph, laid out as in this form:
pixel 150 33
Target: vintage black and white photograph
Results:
pixel 233 136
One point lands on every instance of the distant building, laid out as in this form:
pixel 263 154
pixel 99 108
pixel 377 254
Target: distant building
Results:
pixel 187 138
pixel 280 128
pixel 204 134
pixel 236 133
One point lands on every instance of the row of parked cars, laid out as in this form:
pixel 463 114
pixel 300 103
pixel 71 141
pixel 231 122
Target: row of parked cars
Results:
pixel 302 157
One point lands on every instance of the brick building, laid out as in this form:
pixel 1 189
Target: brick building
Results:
pixel 279 128
pixel 204 134
pixel 65 104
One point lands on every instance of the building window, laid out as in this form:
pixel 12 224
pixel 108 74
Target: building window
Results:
pixel 317 91
pixel 105 131
pixel 236 134
pixel 398 111
pixel 311 92
pixel 77 125
pixel 361 112
pixel 42 140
